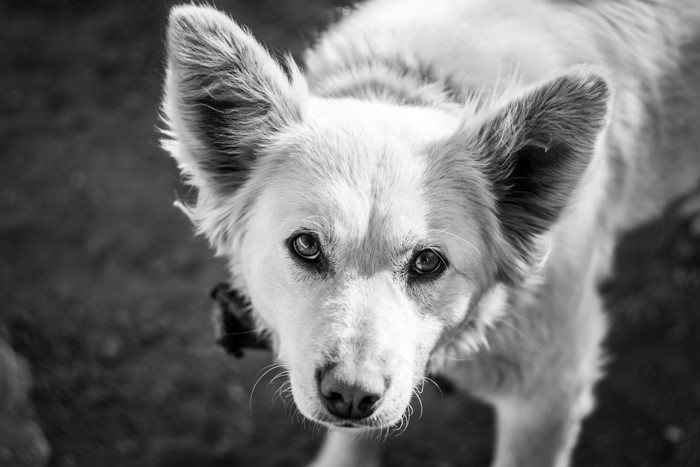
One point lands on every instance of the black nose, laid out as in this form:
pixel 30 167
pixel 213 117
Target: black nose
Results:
pixel 352 401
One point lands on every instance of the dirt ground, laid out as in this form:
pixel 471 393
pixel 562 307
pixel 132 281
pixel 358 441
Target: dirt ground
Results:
pixel 104 290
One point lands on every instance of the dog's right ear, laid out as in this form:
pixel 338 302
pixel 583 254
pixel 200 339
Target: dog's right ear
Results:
pixel 225 96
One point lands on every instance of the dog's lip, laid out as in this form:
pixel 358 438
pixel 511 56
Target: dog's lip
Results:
pixel 347 424
pixel 352 425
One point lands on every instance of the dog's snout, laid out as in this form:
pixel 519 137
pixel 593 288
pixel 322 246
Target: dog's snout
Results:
pixel 350 400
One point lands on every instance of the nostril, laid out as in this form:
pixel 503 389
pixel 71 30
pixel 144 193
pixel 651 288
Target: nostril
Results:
pixel 337 396
pixel 364 405
pixel 367 402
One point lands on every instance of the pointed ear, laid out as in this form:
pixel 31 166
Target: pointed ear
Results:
pixel 535 149
pixel 224 97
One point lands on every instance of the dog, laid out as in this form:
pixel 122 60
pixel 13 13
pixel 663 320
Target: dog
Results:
pixel 440 191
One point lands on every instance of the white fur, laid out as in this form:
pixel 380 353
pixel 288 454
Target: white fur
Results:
pixel 516 138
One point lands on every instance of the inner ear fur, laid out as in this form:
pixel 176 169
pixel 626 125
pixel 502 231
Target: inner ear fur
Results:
pixel 535 149
pixel 225 96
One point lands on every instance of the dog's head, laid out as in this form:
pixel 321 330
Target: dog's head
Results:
pixel 365 234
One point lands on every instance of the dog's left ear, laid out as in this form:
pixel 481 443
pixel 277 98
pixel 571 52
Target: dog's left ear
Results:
pixel 225 96
pixel 534 151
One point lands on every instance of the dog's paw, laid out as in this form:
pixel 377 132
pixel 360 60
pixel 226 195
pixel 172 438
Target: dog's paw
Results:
pixel 689 210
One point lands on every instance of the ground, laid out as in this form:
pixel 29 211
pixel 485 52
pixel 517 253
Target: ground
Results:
pixel 104 290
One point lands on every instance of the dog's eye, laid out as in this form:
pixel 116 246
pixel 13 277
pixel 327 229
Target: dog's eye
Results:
pixel 306 246
pixel 427 262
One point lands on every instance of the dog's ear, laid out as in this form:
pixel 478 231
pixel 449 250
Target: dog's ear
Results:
pixel 535 149
pixel 224 97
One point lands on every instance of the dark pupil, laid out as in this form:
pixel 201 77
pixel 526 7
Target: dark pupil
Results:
pixel 306 245
pixel 427 261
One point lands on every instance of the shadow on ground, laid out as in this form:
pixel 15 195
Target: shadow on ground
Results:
pixel 105 292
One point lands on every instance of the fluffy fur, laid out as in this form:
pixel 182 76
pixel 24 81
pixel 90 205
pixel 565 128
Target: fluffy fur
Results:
pixel 516 139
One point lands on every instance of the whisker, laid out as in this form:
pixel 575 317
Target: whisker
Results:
pixel 285 385
pixel 310 220
pixel 272 367
pixel 464 240
pixel 430 380
pixel 420 402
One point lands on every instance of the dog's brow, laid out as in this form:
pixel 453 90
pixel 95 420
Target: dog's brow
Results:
pixel 412 244
pixel 320 224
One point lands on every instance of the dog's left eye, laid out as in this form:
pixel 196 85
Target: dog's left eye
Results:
pixel 427 262
pixel 306 246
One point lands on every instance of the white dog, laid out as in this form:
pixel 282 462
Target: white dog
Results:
pixel 439 191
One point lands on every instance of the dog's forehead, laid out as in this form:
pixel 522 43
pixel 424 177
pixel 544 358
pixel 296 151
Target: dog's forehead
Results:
pixel 411 122
pixel 357 173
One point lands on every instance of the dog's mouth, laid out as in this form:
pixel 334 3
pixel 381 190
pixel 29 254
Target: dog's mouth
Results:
pixel 349 425
pixel 327 419
pixel 354 425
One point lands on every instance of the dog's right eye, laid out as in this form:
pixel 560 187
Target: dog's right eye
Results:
pixel 306 246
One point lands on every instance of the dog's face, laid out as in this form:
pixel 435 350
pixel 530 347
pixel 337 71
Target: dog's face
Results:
pixel 348 256
pixel 367 234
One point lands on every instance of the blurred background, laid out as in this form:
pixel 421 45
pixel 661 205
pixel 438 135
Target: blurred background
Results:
pixel 104 289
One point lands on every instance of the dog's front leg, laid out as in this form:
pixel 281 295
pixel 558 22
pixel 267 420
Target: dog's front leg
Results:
pixel 539 419
pixel 345 449
pixel 541 430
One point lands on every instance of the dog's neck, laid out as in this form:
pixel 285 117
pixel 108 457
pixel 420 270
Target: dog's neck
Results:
pixel 388 81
